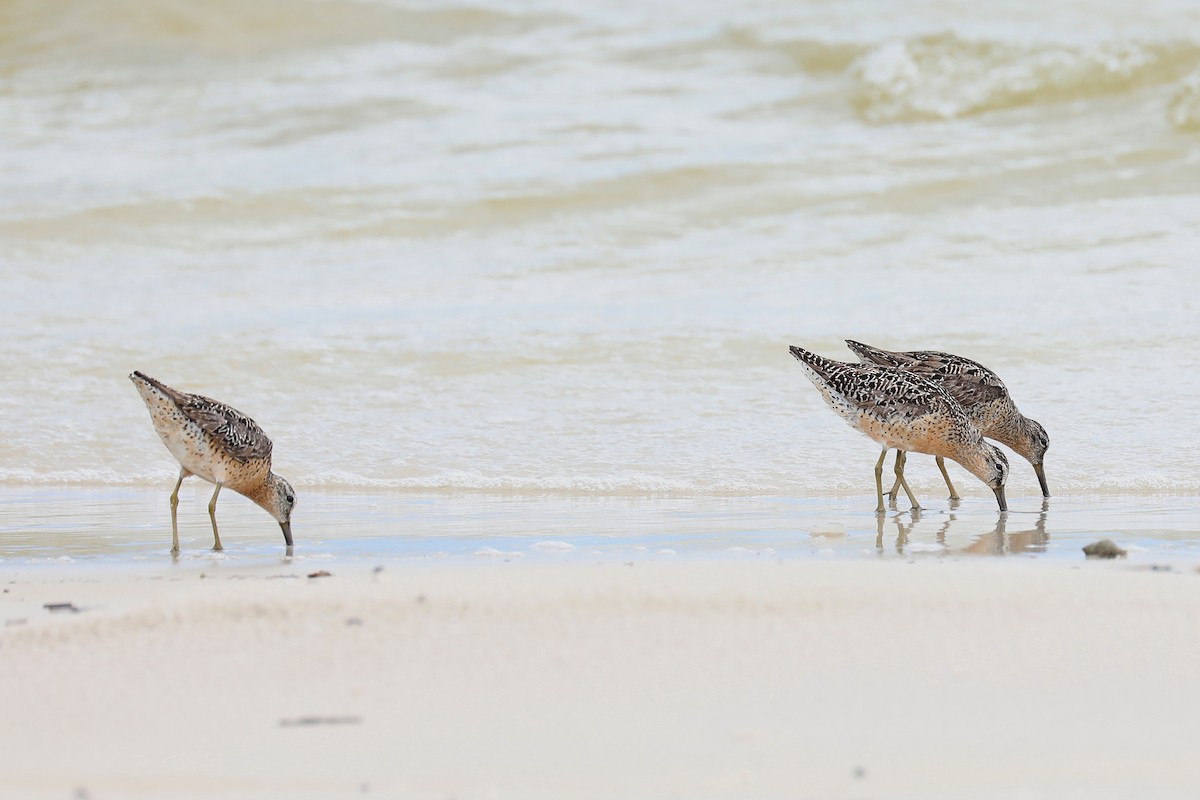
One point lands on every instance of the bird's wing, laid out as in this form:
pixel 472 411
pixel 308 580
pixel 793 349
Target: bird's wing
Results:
pixel 968 381
pixel 873 355
pixel 236 433
pixel 895 392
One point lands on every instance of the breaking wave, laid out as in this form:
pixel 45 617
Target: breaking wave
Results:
pixel 944 76
pixel 1184 109
pixel 620 483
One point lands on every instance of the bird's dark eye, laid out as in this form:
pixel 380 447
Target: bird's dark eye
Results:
pixel 290 498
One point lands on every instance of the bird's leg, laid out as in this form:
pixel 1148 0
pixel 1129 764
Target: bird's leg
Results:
pixel 941 462
pixel 894 494
pixel 212 514
pixel 904 484
pixel 879 509
pixel 183 473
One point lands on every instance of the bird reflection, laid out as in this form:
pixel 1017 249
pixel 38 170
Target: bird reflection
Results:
pixel 998 541
pixel 902 530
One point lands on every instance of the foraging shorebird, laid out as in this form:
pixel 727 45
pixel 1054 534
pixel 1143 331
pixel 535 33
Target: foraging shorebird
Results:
pixel 221 445
pixel 982 395
pixel 907 412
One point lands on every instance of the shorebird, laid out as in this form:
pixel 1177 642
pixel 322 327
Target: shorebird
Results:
pixel 219 444
pixel 982 395
pixel 904 411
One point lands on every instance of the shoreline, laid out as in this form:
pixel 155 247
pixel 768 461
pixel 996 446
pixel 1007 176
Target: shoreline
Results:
pixel 116 527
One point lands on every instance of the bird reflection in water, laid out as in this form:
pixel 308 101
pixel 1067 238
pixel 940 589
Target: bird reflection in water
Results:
pixel 998 541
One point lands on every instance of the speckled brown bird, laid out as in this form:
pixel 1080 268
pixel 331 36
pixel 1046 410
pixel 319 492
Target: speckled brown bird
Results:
pixel 902 410
pixel 982 395
pixel 221 445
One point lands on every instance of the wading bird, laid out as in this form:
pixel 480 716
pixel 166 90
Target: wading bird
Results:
pixel 221 445
pixel 982 395
pixel 907 412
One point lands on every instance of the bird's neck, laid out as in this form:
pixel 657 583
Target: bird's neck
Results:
pixel 1014 432
pixel 263 493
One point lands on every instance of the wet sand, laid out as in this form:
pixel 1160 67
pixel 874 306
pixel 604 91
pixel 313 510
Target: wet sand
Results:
pixel 130 526
pixel 844 678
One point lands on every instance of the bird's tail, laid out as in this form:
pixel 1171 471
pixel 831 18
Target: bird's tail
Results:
pixel 818 364
pixel 873 355
pixel 145 383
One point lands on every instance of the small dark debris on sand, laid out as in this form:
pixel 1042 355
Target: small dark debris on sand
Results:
pixel 1105 548
pixel 297 722
pixel 56 607
pixel 320 574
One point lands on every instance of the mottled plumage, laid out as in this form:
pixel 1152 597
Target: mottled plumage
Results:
pixel 980 392
pixel 236 434
pixel 902 410
pixel 219 444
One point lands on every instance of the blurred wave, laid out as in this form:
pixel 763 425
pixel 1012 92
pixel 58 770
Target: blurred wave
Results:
pixel 1184 111
pixel 944 76
pixel 135 32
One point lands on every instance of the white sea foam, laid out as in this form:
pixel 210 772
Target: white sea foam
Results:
pixel 552 547
pixel 945 76
pixel 1184 110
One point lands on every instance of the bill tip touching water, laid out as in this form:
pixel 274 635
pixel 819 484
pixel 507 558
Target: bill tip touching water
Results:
pixel 906 412
pixel 221 445
pixel 982 395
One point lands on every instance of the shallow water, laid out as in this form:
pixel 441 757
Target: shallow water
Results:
pixel 41 527
pixel 562 248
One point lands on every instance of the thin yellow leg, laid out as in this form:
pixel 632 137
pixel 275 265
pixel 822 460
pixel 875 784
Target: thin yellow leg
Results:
pixel 879 509
pixel 941 462
pixel 212 514
pixel 901 460
pixel 183 473
pixel 904 484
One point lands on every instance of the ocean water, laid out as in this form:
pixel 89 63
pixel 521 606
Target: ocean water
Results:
pixel 527 249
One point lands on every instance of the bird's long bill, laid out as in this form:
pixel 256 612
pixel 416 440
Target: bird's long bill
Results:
pixel 287 532
pixel 1041 473
pixel 1000 498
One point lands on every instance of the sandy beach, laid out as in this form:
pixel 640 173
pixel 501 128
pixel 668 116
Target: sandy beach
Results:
pixel 975 678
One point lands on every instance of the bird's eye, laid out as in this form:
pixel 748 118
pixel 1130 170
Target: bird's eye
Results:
pixel 290 498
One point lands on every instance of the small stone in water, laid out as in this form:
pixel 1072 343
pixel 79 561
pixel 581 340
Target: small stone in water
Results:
pixel 1103 549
